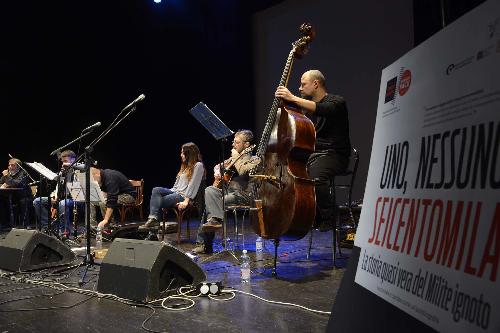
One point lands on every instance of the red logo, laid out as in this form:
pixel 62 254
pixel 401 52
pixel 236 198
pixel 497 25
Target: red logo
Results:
pixel 404 82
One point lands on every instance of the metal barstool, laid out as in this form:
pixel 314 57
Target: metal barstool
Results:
pixel 350 176
pixel 243 209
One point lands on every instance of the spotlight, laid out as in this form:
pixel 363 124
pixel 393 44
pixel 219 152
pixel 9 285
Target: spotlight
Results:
pixel 157 1
pixel 209 288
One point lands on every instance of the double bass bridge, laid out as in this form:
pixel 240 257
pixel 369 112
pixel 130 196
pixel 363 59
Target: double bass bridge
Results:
pixel 273 180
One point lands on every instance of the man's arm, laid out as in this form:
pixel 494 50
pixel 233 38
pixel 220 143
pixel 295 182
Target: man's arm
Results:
pixel 245 164
pixel 304 104
pixel 107 216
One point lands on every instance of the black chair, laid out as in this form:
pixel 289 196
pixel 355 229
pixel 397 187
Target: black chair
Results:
pixel 343 182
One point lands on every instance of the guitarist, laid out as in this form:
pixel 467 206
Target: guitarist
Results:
pixel 235 182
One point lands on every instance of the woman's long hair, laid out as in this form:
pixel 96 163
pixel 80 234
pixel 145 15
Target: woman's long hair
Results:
pixel 192 156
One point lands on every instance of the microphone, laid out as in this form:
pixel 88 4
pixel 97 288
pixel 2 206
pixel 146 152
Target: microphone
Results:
pixel 137 100
pixel 91 127
pixel 76 166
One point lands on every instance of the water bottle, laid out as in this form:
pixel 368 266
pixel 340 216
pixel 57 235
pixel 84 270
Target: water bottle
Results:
pixel 98 238
pixel 245 267
pixel 258 245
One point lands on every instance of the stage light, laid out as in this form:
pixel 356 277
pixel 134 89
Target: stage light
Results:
pixel 157 1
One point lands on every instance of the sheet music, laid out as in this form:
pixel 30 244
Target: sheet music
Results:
pixel 96 194
pixel 43 170
pixel 76 191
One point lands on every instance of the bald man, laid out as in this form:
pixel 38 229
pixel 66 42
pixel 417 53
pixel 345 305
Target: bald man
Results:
pixel 328 112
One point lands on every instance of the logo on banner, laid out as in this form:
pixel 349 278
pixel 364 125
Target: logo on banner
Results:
pixel 393 88
pixel 390 90
pixel 404 82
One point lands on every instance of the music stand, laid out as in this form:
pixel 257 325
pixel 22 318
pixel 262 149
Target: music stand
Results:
pixel 220 132
pixel 96 195
pixel 51 176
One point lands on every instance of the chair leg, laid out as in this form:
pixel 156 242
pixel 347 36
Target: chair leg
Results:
pixel 310 243
pixel 164 230
pixel 178 232
pixel 163 222
pixel 337 232
pixel 122 214
pixel 276 244
pixel 236 236
pixel 243 227
pixel 334 247
pixel 180 218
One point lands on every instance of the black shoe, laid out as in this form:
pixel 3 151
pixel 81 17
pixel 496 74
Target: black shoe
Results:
pixel 199 249
pixel 202 249
pixel 150 224
pixel 209 249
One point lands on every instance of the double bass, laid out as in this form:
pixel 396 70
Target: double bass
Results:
pixel 284 196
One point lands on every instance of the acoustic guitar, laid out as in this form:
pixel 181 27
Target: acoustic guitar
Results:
pixel 228 173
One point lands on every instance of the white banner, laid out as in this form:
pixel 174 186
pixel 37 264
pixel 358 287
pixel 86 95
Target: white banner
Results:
pixel 430 225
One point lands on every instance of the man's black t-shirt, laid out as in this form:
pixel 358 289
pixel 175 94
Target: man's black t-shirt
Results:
pixel 114 183
pixel 332 125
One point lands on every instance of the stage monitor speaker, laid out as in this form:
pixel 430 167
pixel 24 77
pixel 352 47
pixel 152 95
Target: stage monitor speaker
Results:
pixel 26 250
pixel 144 270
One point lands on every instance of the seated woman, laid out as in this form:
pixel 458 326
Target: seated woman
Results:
pixel 185 188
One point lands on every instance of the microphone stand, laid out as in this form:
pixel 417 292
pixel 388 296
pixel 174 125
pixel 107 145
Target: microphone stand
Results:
pixel 19 165
pixel 89 259
pixel 58 150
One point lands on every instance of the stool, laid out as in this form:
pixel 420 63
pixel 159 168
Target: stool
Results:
pixel 349 175
pixel 238 209
pixel 335 231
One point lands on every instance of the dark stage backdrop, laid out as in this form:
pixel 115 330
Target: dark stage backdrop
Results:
pixel 355 41
pixel 65 65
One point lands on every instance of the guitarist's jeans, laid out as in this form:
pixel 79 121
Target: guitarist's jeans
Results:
pixel 213 208
pixel 65 212
pixel 162 197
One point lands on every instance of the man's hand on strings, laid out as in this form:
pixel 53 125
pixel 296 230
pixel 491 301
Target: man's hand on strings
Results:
pixel 283 93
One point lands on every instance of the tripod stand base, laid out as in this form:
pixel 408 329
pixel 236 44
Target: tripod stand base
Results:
pixel 233 255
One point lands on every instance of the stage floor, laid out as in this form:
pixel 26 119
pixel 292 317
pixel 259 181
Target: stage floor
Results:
pixel 311 283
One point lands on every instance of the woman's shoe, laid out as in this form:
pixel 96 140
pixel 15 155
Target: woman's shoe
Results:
pixel 150 224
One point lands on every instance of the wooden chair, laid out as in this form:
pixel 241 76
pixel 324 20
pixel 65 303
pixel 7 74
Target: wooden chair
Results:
pixel 137 205
pixel 194 208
